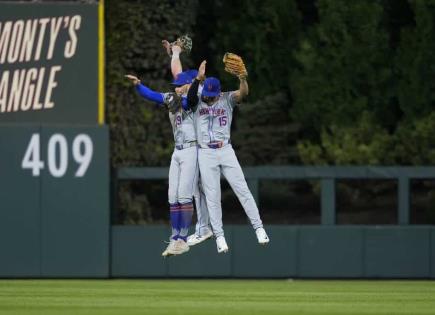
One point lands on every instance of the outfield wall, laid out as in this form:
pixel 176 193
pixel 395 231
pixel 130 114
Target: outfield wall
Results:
pixel 54 222
pixel 294 251
pixel 54 147
pixel 54 201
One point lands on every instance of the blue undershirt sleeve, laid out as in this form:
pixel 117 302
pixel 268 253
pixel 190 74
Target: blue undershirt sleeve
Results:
pixel 184 103
pixel 149 94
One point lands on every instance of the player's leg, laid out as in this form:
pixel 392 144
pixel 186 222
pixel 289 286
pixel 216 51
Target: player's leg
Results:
pixel 232 171
pixel 202 228
pixel 174 207
pixel 210 176
pixel 187 162
pixel 203 224
pixel 174 211
pixel 188 181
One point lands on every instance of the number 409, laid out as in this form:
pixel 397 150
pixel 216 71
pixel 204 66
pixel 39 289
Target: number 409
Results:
pixel 57 155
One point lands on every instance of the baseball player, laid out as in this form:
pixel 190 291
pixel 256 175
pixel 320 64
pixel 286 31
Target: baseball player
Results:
pixel 213 117
pixel 203 230
pixel 183 170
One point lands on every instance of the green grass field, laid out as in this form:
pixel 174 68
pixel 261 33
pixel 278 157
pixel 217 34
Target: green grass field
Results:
pixel 215 297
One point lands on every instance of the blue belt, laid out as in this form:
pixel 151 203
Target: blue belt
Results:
pixel 215 145
pixel 185 145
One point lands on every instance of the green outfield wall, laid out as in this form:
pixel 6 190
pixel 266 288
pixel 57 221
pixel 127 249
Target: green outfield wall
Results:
pixel 54 193
pixel 54 148
pixel 55 209
pixel 318 251
pixel 294 251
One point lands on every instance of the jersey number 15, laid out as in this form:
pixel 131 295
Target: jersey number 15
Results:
pixel 223 121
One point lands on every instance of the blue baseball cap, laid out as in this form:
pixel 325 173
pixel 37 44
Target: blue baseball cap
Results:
pixel 212 87
pixel 185 77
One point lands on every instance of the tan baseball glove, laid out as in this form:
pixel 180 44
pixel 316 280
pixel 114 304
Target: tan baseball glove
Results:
pixel 234 64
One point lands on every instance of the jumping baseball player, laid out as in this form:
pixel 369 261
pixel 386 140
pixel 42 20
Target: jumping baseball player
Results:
pixel 213 117
pixel 183 170
pixel 203 229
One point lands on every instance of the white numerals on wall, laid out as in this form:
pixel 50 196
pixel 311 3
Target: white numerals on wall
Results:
pixel 57 155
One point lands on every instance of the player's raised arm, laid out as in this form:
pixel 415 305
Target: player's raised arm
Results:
pixel 192 94
pixel 234 64
pixel 243 90
pixel 176 66
pixel 174 52
pixel 183 43
pixel 144 91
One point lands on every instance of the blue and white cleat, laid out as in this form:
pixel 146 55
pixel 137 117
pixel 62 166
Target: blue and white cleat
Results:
pixel 262 237
pixel 195 239
pixel 221 244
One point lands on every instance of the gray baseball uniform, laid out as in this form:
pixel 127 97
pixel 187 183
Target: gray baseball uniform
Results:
pixel 216 156
pixel 183 170
pixel 182 180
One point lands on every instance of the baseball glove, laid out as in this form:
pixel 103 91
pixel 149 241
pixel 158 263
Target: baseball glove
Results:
pixel 234 64
pixel 185 42
pixel 172 102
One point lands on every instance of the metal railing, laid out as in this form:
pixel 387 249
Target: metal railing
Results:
pixel 327 175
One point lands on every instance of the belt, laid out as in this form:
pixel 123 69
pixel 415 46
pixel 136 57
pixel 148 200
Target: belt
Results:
pixel 215 145
pixel 185 145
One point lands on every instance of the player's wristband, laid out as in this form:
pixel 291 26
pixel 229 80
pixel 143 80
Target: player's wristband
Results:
pixel 175 55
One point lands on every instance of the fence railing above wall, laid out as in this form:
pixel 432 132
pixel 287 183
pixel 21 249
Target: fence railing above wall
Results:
pixel 326 174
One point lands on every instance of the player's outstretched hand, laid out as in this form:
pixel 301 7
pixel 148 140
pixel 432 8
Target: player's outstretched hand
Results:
pixel 133 79
pixel 201 71
pixel 167 46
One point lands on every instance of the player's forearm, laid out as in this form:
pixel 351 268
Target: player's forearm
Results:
pixel 149 94
pixel 176 66
pixel 243 88
pixel 192 94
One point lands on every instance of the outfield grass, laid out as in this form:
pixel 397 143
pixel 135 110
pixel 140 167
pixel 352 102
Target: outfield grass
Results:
pixel 215 297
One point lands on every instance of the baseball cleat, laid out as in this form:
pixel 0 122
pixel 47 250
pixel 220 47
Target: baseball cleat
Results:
pixel 169 248
pixel 221 244
pixel 195 239
pixel 262 237
pixel 179 247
